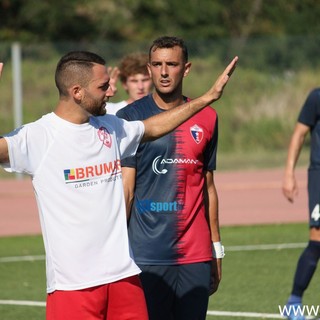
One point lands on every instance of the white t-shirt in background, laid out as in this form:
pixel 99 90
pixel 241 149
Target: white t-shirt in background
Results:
pixel 113 108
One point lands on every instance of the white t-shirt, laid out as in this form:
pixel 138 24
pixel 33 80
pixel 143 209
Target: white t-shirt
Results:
pixel 77 180
pixel 112 108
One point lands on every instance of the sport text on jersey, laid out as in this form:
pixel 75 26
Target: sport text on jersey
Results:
pixel 148 205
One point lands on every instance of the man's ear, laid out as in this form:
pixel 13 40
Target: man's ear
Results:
pixel 187 68
pixel 77 92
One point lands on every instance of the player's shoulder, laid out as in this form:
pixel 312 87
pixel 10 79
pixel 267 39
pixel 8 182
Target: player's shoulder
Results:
pixel 109 121
pixel 313 98
pixel 38 130
pixel 208 113
pixel 47 122
pixel 208 117
pixel 314 92
pixel 136 110
pixel 208 110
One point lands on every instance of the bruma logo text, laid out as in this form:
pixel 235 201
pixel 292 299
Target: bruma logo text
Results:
pixel 92 172
pixel 148 205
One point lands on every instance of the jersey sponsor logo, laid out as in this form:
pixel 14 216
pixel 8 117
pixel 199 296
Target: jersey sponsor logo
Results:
pixel 158 164
pixel 148 205
pixel 196 133
pixel 92 172
pixel 105 136
pixel 156 168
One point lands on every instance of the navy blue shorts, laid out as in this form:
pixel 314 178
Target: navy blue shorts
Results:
pixel 177 292
pixel 314 197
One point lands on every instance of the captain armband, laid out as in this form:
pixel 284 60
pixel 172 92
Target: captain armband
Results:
pixel 217 250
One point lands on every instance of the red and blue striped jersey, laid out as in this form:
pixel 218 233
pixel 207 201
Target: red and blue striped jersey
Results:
pixel 168 223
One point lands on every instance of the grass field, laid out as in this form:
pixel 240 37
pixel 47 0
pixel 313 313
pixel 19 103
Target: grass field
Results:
pixel 256 278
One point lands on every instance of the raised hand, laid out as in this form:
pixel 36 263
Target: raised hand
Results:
pixel 216 90
pixel 114 75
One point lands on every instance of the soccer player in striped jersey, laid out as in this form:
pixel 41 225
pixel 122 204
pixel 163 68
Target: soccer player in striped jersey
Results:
pixel 171 197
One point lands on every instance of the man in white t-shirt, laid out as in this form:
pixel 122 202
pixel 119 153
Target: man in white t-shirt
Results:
pixel 73 156
pixel 135 80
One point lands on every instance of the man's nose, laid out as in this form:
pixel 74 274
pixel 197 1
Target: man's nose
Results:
pixel 110 92
pixel 164 70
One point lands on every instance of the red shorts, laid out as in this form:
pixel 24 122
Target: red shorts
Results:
pixel 123 299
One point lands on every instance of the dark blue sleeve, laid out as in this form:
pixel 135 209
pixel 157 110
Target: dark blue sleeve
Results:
pixel 122 114
pixel 210 153
pixel 310 112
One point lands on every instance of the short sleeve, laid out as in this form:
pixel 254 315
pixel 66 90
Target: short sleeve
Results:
pixel 24 151
pixel 310 112
pixel 129 137
pixel 210 153
pixel 128 161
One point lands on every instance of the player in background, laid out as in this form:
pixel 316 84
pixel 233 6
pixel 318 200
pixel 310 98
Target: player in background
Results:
pixel 308 122
pixel 135 79
pixel 171 197
pixel 73 156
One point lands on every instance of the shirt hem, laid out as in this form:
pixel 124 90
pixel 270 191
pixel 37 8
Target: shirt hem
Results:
pixel 91 284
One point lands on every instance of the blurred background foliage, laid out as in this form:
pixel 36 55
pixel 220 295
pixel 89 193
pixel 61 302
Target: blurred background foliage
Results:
pixel 278 44
pixel 136 20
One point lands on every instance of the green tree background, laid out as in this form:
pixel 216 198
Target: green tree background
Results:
pixel 277 41
pixel 136 20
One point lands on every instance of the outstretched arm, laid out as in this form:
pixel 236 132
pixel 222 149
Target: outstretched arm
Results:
pixel 289 185
pixel 162 123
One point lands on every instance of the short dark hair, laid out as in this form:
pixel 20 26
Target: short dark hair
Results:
pixel 132 64
pixel 75 67
pixel 169 42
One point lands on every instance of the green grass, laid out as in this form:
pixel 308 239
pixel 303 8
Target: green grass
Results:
pixel 22 280
pixel 260 281
pixel 253 281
